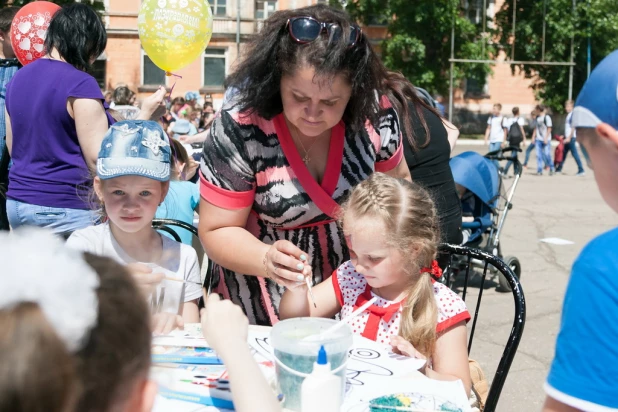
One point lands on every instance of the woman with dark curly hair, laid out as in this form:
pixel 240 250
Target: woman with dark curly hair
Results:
pixel 312 117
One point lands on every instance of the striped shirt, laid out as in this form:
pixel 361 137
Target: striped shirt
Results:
pixel 249 161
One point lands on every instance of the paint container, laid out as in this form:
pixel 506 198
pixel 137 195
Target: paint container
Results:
pixel 295 357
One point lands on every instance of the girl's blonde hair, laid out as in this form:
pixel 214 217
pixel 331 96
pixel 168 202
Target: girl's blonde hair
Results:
pixel 410 219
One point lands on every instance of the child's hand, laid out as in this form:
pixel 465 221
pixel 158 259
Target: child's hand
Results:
pixel 153 106
pixel 146 280
pixel 190 168
pixel 163 323
pixel 224 325
pixel 403 347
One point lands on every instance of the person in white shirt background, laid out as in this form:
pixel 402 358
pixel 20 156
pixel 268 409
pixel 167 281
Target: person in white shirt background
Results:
pixel 569 141
pixel 496 131
pixel 514 139
pixel 541 136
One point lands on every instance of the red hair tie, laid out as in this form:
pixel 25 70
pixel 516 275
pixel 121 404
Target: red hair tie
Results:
pixel 434 270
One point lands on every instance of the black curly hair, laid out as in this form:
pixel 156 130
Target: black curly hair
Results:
pixel 273 53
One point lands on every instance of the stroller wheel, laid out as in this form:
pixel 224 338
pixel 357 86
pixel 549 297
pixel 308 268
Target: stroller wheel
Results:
pixel 513 263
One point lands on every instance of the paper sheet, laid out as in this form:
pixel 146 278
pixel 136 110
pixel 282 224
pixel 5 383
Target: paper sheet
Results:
pixel 373 371
pixel 172 405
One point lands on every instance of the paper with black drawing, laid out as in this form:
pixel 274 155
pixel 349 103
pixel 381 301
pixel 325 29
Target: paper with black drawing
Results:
pixel 374 370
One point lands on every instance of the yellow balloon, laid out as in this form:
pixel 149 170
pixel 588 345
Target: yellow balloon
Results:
pixel 174 33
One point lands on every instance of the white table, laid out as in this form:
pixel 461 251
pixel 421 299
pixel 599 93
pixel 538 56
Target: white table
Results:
pixel 403 379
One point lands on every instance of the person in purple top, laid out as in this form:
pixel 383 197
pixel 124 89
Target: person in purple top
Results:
pixel 56 120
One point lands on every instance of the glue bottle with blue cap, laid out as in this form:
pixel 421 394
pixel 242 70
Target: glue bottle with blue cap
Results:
pixel 321 390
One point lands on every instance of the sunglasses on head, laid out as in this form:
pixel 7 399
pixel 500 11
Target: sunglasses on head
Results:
pixel 307 29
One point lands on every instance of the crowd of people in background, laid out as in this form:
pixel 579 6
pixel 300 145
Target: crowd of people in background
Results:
pixel 503 131
pixel 185 117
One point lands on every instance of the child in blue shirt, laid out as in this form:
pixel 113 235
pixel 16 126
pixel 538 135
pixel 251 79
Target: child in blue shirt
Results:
pixel 583 372
pixel 183 196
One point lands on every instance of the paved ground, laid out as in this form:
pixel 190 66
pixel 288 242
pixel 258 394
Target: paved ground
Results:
pixel 563 206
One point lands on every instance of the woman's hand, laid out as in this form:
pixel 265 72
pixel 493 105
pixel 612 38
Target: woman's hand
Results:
pixel 286 264
pixel 153 106
pixel 223 325
pixel 403 347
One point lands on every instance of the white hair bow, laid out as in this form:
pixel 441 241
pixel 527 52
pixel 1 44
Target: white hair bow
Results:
pixel 36 266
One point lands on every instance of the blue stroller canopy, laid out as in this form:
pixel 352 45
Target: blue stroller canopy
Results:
pixel 477 174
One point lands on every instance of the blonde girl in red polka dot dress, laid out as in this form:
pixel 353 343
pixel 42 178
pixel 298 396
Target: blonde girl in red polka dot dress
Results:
pixel 392 233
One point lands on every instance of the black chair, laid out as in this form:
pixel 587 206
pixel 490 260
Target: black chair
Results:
pixel 166 225
pixel 460 260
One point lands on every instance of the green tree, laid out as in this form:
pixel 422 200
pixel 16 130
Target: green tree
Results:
pixel 98 5
pixel 597 18
pixel 418 42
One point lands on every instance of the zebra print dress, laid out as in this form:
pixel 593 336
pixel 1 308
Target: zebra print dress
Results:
pixel 251 161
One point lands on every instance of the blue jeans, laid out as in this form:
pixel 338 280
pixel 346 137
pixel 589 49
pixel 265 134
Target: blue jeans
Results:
pixel 543 156
pixel 61 221
pixel 572 147
pixel 528 150
pixel 492 148
pixel 513 155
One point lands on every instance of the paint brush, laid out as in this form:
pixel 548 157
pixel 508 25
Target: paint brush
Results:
pixel 182 280
pixel 337 326
pixel 310 292
pixel 303 258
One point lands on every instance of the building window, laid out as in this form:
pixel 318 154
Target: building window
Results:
pixel 214 68
pixel 474 10
pixel 152 75
pixel 218 7
pixel 98 72
pixel 476 88
pixel 263 9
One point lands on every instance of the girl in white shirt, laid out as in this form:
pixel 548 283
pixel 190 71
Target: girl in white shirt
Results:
pixel 133 173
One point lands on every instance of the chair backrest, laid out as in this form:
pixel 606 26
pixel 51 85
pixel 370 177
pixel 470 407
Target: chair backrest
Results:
pixel 166 225
pixel 462 261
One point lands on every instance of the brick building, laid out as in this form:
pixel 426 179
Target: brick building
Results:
pixel 501 86
pixel 124 61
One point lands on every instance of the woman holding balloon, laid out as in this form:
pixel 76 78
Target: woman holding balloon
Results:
pixel 313 117
pixel 56 120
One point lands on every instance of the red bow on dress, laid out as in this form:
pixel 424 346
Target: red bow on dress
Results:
pixel 377 313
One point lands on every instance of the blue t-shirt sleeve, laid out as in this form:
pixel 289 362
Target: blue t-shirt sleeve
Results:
pixel 586 359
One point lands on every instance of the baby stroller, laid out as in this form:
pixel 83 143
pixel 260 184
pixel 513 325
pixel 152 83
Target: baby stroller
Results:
pixel 484 199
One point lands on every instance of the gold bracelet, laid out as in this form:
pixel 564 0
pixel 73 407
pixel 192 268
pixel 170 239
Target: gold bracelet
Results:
pixel 266 275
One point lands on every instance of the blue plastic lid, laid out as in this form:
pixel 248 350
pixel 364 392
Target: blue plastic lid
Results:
pixel 322 359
